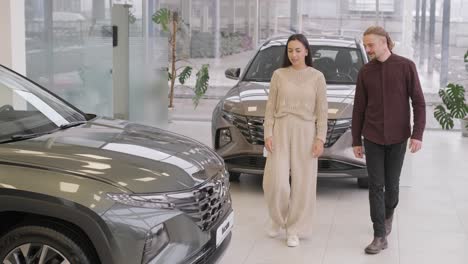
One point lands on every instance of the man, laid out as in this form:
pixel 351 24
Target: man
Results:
pixel 381 115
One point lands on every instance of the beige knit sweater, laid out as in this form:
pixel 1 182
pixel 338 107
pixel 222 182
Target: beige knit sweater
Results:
pixel 298 92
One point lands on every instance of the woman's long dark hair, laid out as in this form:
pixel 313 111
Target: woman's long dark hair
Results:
pixel 303 40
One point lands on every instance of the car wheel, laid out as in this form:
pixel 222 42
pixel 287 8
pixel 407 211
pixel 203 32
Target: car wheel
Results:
pixel 363 182
pixel 234 176
pixel 38 244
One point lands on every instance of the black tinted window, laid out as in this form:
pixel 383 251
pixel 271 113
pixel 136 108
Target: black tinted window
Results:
pixel 339 65
pixel 265 63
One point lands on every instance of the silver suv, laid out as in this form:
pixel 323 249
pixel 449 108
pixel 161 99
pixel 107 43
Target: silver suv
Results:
pixel 81 189
pixel 237 123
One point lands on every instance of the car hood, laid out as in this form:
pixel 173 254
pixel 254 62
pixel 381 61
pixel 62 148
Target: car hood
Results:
pixel 135 157
pixel 249 99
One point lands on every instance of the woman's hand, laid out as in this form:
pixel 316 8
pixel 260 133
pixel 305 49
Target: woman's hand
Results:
pixel 317 148
pixel 269 144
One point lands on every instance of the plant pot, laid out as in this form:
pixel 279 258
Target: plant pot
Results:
pixel 464 126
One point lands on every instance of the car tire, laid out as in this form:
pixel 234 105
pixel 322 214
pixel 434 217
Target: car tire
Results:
pixel 60 245
pixel 234 176
pixel 363 182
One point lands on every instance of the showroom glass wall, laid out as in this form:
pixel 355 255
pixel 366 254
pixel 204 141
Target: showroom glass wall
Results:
pixel 258 20
pixel 71 50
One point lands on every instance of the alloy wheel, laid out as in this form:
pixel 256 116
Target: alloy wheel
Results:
pixel 35 253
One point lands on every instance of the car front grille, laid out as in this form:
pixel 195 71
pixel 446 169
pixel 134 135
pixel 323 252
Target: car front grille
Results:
pixel 248 161
pixel 258 162
pixel 205 204
pixel 252 128
pixel 334 165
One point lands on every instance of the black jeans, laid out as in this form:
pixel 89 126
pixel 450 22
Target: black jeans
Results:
pixel 384 164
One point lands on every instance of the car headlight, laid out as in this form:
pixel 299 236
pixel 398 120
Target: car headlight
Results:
pixel 225 178
pixel 336 128
pixel 343 122
pixel 156 240
pixel 159 201
pixel 228 116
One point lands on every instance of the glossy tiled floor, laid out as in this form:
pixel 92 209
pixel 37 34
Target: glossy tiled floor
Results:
pixel 431 224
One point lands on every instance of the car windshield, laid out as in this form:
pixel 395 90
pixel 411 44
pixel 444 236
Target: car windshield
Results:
pixel 339 65
pixel 27 109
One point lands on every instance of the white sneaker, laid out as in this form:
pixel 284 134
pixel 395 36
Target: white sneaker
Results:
pixel 292 241
pixel 274 230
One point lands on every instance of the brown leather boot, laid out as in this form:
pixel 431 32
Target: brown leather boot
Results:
pixel 377 245
pixel 388 225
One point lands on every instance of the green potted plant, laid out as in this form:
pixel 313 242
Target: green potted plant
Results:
pixel 453 106
pixel 170 22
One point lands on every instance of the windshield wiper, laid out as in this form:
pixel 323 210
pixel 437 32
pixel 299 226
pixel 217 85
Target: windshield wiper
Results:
pixel 71 124
pixel 258 80
pixel 33 135
pixel 28 136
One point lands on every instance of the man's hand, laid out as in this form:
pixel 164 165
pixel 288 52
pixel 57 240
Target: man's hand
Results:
pixel 358 152
pixel 317 148
pixel 415 145
pixel 269 144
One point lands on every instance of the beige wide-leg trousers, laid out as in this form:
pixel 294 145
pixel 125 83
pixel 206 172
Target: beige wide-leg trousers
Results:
pixel 291 206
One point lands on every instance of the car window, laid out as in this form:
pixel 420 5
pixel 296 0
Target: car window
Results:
pixel 265 63
pixel 339 65
pixel 25 108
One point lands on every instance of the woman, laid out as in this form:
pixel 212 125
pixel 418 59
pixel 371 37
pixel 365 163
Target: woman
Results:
pixel 295 130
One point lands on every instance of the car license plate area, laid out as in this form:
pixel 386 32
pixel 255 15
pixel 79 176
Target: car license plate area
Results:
pixel 224 228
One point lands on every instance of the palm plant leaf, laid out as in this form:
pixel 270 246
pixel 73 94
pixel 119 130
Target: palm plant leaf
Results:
pixel 185 74
pixel 460 111
pixel 443 117
pixel 455 91
pixel 201 84
pixel 455 100
pixel 446 99
pixel 163 18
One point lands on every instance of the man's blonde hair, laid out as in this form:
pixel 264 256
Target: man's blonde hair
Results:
pixel 380 31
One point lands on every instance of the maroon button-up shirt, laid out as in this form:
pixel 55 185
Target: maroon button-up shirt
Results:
pixel 381 110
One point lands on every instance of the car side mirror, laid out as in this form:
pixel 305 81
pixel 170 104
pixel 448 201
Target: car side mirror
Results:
pixel 89 116
pixel 232 73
